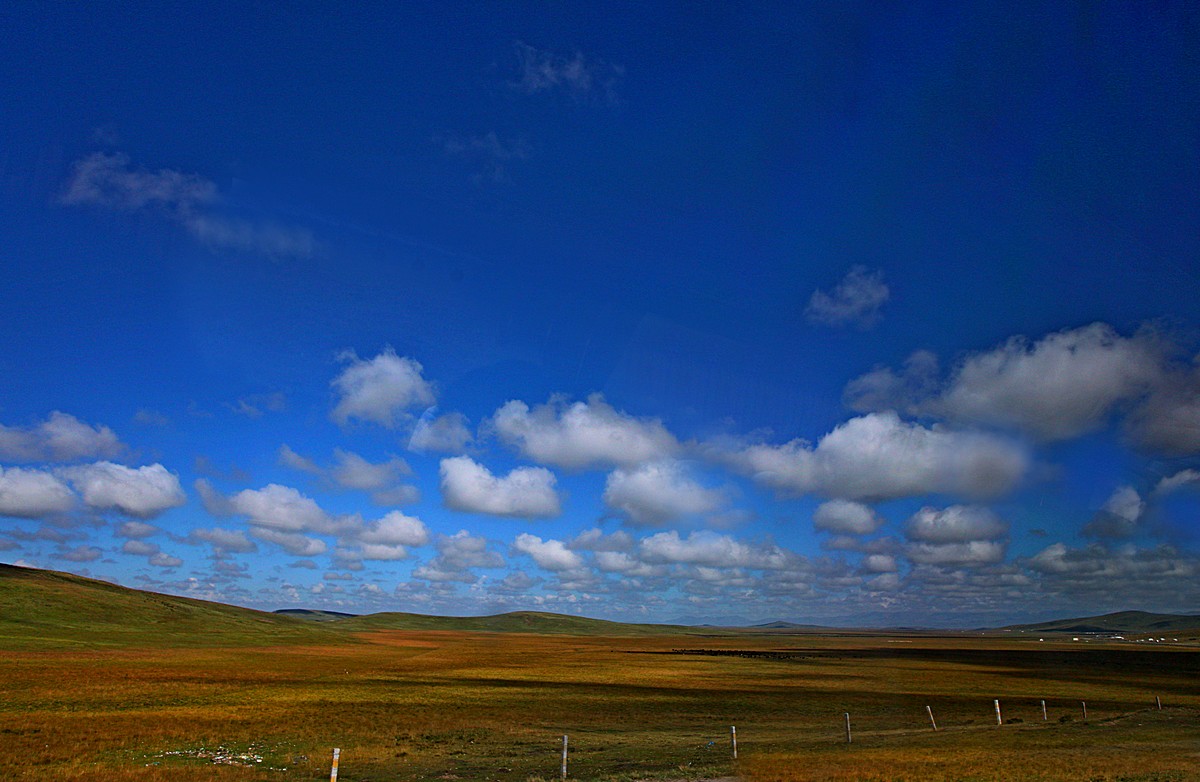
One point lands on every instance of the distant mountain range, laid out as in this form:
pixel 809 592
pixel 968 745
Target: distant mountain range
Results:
pixel 48 609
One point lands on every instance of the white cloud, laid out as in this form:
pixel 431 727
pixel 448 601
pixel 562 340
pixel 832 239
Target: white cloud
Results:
pixel 1061 386
pixel 1176 481
pixel 225 540
pixel 974 552
pixel 709 549
pixel 140 548
pixel 856 300
pixel 395 529
pixel 659 492
pixel 81 554
pixel 548 554
pixel 1119 516
pixel 457 555
pixel 582 434
pixel 526 492
pixel 955 524
pixel 382 552
pixel 1119 575
pixel 214 501
pixel 136 529
pixel 879 563
pixel 284 509
pixel 380 390
pixel 543 70
pixel 289 458
pixel 844 517
pixel 292 542
pixel 594 539
pixel 33 494
pixel 190 200
pixel 60 438
pixel 441 434
pixel 354 472
pixel 164 560
pixel 878 456
pixel 143 492
pixel 1169 420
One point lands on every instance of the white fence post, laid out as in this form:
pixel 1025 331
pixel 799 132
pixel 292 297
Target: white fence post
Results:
pixel 333 772
pixel 932 721
pixel 848 740
pixel 564 757
pixel 733 739
pixel 999 719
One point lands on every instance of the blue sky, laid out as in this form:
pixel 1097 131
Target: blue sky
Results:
pixel 843 314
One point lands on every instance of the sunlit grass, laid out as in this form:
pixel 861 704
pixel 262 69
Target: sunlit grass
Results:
pixel 441 705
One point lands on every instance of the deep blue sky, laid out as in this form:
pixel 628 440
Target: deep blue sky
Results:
pixel 847 313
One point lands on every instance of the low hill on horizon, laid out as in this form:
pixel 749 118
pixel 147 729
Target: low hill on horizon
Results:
pixel 1124 622
pixel 538 622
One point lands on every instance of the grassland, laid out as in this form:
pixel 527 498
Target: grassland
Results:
pixel 415 704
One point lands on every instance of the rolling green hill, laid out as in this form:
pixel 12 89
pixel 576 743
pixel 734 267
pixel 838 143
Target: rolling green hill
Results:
pixel 48 609
pixel 1125 622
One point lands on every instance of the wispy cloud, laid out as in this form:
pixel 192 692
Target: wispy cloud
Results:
pixel 542 70
pixel 857 300
pixel 492 155
pixel 111 181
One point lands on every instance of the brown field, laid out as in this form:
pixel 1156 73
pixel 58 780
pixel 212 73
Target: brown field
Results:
pixel 409 705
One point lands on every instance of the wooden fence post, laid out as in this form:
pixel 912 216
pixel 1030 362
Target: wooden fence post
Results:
pixel 1158 702
pixel 1044 717
pixel 733 739
pixel 1084 705
pixel 848 727
pixel 999 719
pixel 333 772
pixel 931 719
pixel 564 757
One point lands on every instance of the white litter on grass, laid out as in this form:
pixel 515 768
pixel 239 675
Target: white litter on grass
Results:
pixel 221 756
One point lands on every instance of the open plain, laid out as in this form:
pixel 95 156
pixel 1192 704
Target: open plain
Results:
pixel 242 702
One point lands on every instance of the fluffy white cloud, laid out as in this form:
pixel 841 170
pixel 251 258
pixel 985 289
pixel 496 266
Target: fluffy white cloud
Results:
pixel 878 456
pixel 1119 575
pixel 354 472
pixel 1059 387
pixel 380 390
pixel 165 560
pixel 457 555
pixel 526 492
pixel 289 458
pixel 709 549
pixel 144 492
pixel 658 492
pixel 857 299
pixel 582 434
pixel 292 542
pixel 441 434
pixel 33 494
pixel 139 548
pixel 844 517
pixel 956 524
pixel 548 554
pixel 282 508
pixel 974 552
pixel 1119 516
pixel 879 563
pixel 60 438
pixel 395 529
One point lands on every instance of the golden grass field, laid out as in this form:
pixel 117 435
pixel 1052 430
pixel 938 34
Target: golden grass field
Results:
pixel 439 705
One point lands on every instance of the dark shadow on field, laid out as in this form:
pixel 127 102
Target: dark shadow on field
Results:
pixel 1099 666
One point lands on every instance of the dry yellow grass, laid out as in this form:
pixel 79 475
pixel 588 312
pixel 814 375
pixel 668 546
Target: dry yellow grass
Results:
pixel 477 706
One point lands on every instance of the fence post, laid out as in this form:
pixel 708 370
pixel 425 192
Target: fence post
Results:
pixel 848 727
pixel 1084 705
pixel 564 757
pixel 333 772
pixel 1158 702
pixel 931 719
pixel 733 739
pixel 999 719
pixel 1044 717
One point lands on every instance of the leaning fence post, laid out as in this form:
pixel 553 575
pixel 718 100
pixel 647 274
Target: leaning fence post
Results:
pixel 733 739
pixel 1044 717
pixel 1158 702
pixel 847 727
pixel 999 719
pixel 931 719
pixel 564 757
pixel 1084 705
pixel 333 772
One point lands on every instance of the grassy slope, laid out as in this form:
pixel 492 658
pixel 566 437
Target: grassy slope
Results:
pixel 1131 622
pixel 48 609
